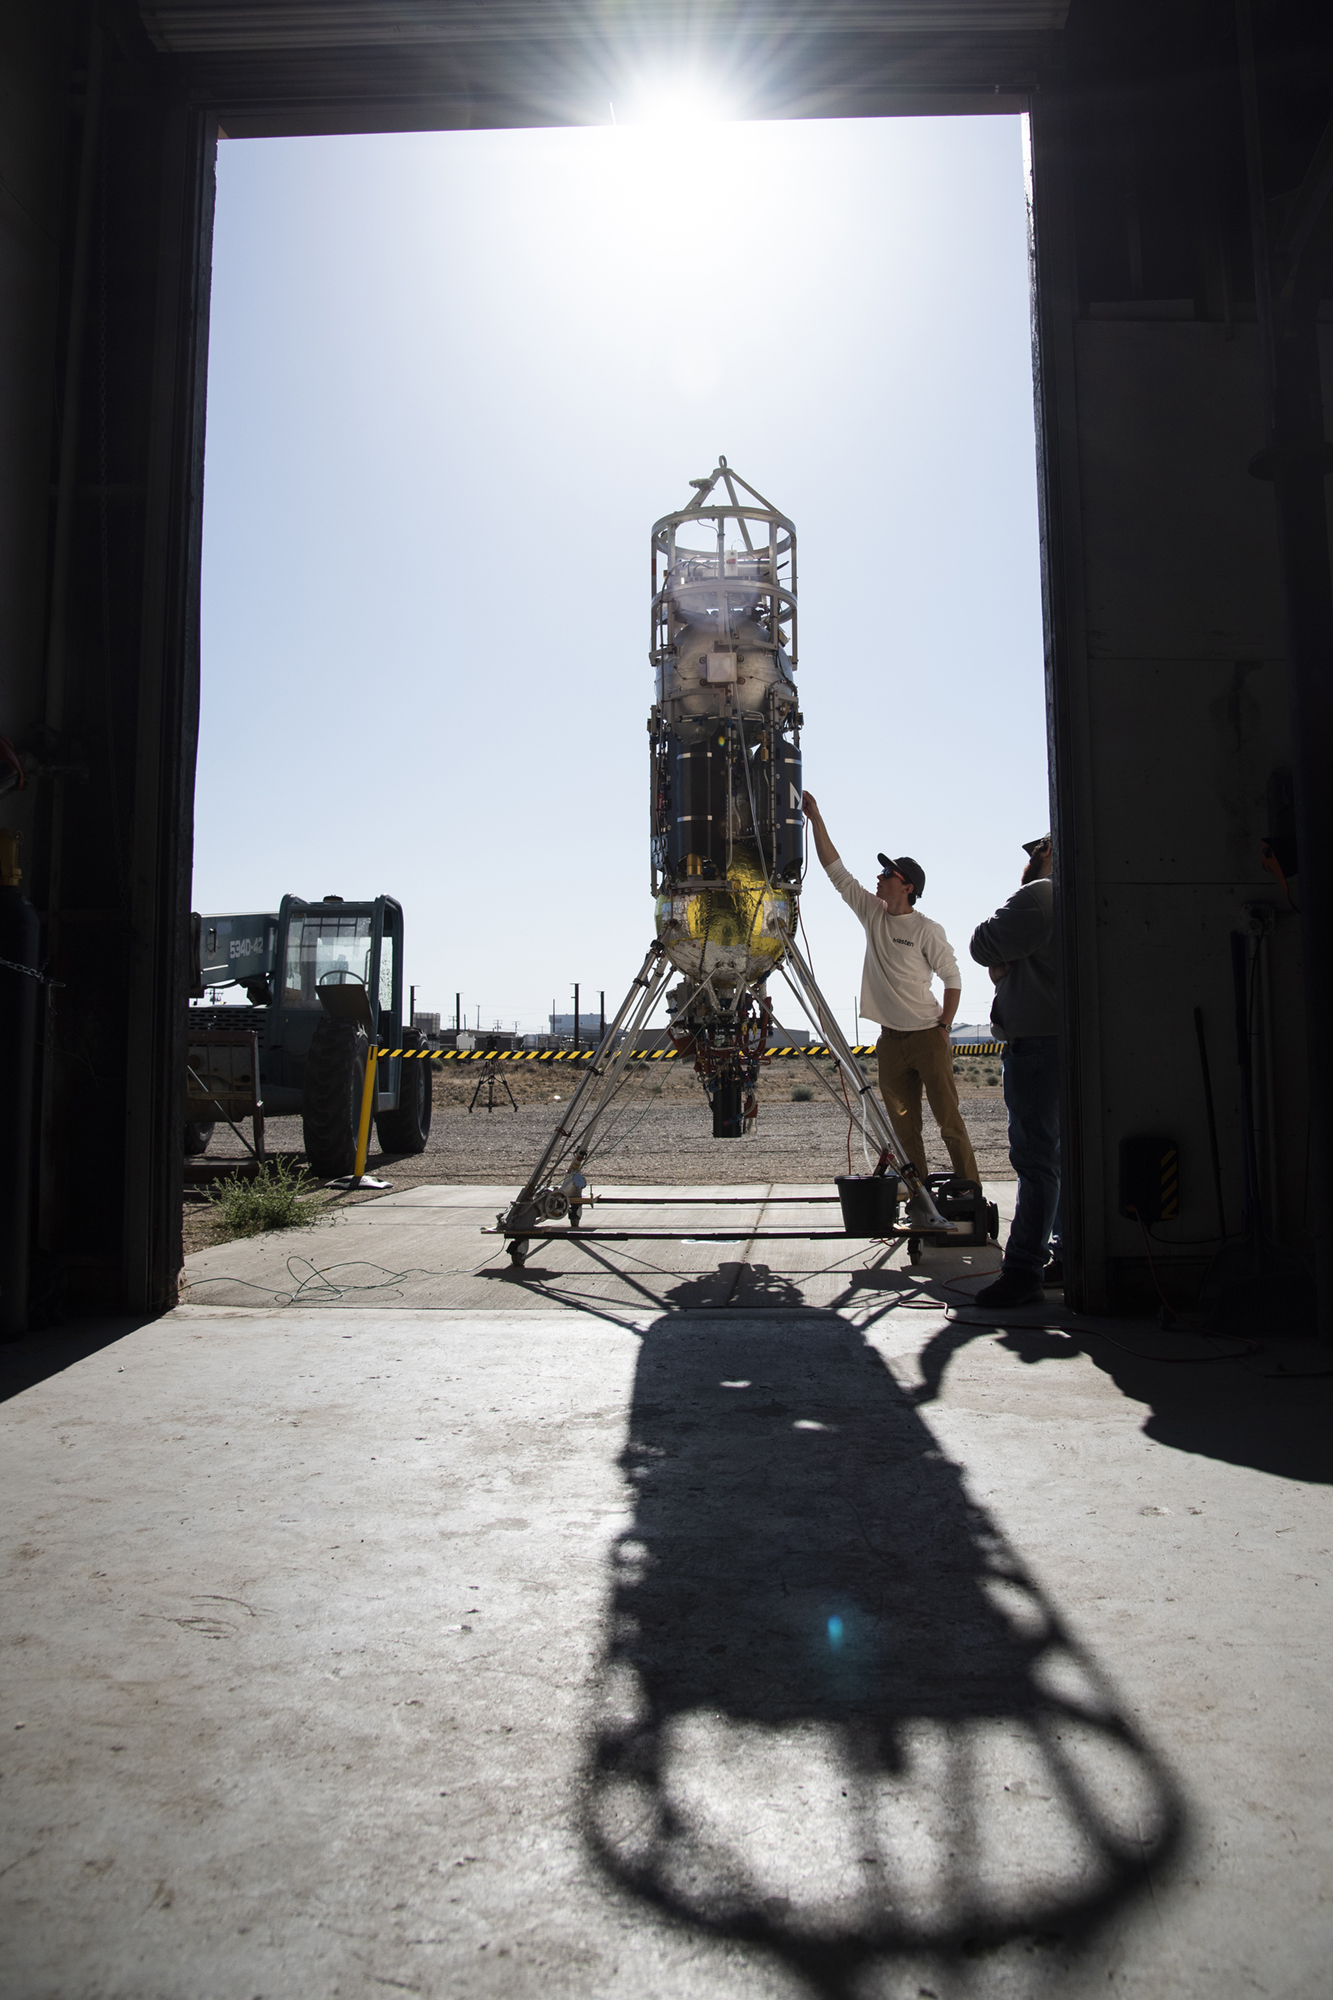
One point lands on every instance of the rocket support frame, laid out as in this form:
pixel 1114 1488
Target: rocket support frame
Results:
pixel 544 1204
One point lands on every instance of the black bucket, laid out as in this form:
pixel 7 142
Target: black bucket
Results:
pixel 869 1203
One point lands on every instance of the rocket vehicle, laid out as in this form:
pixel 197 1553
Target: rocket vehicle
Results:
pixel 727 825
pixel 727 834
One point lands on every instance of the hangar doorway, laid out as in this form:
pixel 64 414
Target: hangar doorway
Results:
pixel 453 379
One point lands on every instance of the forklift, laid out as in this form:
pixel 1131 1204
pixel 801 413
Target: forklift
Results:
pixel 322 981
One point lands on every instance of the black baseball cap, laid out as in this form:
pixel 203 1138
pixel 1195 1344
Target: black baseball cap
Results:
pixel 1030 847
pixel 910 870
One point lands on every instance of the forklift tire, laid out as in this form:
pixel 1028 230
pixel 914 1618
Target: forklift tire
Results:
pixel 335 1072
pixel 196 1139
pixel 407 1129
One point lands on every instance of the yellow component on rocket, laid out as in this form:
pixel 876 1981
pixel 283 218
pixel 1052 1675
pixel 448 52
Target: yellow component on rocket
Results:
pixel 726 928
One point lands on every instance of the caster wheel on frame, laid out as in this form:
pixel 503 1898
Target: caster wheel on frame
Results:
pixel 518 1250
pixel 914 1249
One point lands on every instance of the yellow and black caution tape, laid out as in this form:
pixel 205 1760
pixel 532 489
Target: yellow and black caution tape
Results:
pixel 650 1055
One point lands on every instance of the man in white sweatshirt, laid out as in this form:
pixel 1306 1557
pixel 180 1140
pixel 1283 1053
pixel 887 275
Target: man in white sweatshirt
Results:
pixel 903 950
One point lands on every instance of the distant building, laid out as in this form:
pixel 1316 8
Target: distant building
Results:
pixel 590 1021
pixel 426 1024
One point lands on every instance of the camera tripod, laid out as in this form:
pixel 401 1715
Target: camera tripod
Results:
pixel 490 1073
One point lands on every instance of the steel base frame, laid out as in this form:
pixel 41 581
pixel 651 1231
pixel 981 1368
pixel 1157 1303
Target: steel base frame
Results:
pixel 542 1202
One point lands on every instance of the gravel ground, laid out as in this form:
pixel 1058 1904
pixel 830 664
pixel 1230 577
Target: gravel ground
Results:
pixel 658 1134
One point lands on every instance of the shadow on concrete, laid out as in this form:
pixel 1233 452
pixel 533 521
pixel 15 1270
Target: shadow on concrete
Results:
pixel 26 1362
pixel 1029 1343
pixel 1202 1395
pixel 737 1286
pixel 836 1719
pixel 732 1284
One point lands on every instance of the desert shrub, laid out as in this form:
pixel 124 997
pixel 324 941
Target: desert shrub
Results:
pixel 802 1094
pixel 274 1198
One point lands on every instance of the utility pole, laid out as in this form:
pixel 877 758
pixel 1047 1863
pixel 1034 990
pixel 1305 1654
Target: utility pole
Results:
pixel 576 1013
pixel 601 1008
pixel 458 1013
pixel 411 1006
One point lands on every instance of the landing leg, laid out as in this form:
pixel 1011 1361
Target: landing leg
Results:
pixel 572 1141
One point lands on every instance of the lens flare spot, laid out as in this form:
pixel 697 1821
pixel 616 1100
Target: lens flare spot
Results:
pixel 835 1633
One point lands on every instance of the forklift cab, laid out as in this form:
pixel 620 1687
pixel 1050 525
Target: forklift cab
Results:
pixel 341 960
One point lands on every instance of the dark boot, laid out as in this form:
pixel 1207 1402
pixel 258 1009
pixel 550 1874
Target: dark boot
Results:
pixel 1011 1288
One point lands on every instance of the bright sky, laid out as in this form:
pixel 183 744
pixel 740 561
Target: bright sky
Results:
pixel 453 380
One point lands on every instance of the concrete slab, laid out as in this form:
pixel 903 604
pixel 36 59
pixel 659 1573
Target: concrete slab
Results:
pixel 423 1247
pixel 727 1653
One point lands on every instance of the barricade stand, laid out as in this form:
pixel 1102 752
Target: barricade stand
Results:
pixel 358 1177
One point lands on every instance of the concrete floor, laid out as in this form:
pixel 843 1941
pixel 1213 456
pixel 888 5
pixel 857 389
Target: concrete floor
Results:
pixel 424 1247
pixel 829 1642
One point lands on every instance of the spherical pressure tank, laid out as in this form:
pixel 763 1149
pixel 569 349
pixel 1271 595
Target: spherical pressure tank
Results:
pixel 727 825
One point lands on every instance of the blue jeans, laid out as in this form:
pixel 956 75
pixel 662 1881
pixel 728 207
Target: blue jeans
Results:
pixel 1032 1098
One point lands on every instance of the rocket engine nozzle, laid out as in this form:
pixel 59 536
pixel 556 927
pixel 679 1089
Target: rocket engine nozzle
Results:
pixel 729 1047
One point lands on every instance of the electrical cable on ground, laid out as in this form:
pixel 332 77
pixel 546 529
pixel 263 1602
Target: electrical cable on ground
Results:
pixel 1204 1333
pixel 1152 1268
pixel 316 1278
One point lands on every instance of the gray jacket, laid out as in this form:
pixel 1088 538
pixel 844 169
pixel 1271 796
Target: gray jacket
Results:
pixel 1022 936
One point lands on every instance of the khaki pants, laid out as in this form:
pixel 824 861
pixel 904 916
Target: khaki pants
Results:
pixel 907 1060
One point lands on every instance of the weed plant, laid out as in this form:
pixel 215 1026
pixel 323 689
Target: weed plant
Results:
pixel 802 1094
pixel 274 1198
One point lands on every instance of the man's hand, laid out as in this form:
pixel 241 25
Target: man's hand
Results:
pixel 952 995
pixel 824 847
